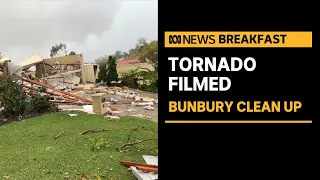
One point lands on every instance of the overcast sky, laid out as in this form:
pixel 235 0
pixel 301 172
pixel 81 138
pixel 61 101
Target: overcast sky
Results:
pixel 92 27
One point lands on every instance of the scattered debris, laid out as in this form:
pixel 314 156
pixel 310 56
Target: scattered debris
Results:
pixel 148 107
pixel 59 135
pixel 48 148
pixel 108 117
pixel 88 109
pixel 139 116
pixel 137 142
pixel 147 169
pixel 102 130
pixel 65 82
pixel 142 103
pixel 62 94
pixel 109 111
pixel 114 101
pixel 116 112
pixel 72 115
pixel 127 163
pixel 141 171
pixel 92 131
pixel 57 95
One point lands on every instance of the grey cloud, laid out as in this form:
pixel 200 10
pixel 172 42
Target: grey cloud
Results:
pixel 30 25
pixel 92 27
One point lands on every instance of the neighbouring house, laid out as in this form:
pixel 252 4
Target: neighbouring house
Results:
pixel 91 72
pixel 127 61
pixel 126 65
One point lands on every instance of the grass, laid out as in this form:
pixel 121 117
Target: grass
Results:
pixel 28 149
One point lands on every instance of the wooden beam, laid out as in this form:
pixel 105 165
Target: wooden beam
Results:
pixel 147 169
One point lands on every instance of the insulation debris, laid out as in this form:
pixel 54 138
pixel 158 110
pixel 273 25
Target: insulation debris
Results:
pixel 148 107
pixel 108 117
pixel 142 103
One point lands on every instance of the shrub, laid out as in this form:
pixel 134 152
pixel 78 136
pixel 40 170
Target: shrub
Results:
pixel 150 88
pixel 15 102
pixel 149 81
pixel 41 104
pixel 144 80
pixel 43 89
pixel 12 98
pixel 130 78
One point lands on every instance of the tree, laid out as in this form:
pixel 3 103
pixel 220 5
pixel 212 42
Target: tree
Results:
pixel 58 50
pixel 108 70
pixel 141 42
pixel 118 55
pixel 102 73
pixel 112 74
pixel 125 55
pixel 72 53
pixel 102 60
pixel 149 53
pixel 134 52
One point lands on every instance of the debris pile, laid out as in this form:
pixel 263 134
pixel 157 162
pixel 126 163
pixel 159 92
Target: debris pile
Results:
pixel 57 95
pixel 134 99
pixel 64 81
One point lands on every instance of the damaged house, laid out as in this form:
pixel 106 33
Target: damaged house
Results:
pixel 58 71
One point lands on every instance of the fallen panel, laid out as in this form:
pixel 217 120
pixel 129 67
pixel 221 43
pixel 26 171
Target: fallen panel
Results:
pixel 36 58
pixel 153 160
pixel 88 109
pixel 15 69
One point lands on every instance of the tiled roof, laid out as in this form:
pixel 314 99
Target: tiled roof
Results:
pixel 127 61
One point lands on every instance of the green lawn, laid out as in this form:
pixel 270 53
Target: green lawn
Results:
pixel 28 149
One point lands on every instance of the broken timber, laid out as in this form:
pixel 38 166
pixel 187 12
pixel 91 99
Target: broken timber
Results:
pixel 55 89
pixel 51 93
pixel 147 169
pixel 136 164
